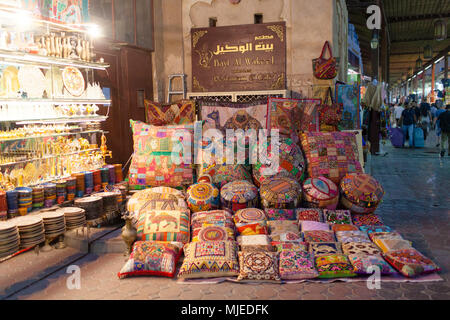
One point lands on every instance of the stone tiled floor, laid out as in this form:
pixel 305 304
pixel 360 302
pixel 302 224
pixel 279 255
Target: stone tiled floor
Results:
pixel 417 204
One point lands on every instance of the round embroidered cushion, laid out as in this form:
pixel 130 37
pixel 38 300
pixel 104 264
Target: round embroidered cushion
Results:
pixel 360 193
pixel 321 192
pixel 221 174
pixel 238 195
pixel 291 162
pixel 202 196
pixel 249 215
pixel 280 193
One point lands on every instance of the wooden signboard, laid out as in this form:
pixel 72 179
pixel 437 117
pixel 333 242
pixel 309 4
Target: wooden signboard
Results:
pixel 239 58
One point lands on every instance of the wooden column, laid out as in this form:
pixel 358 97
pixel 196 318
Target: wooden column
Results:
pixel 433 70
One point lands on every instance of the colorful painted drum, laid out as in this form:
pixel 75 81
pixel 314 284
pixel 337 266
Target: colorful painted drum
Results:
pixel 12 200
pixel 38 196
pixel 360 193
pixel 80 184
pixel 97 180
pixel 280 193
pixel 291 163
pixel 249 215
pixel 202 196
pixel 321 193
pixel 25 197
pixel 237 195
pixel 111 173
pixel 71 186
pixel 49 194
pixel 118 172
pixel 3 206
pixel 61 192
pixel 88 182
pixel 104 172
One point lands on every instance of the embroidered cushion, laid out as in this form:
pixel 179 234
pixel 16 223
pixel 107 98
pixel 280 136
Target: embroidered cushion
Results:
pixel 249 215
pixel 158 158
pixel 344 227
pixel 283 115
pixel 163 225
pixel 304 214
pixel 280 214
pixel 291 163
pixel 254 243
pixel 259 266
pixel 215 217
pixel 320 192
pixel 296 265
pixel 209 259
pixel 282 226
pixel 352 236
pixel 318 236
pixel 287 237
pixel 280 193
pixel 324 248
pixel 366 264
pixel 372 229
pixel 180 112
pixel 293 246
pixel 202 197
pixel 366 220
pixel 361 193
pixel 313 225
pixel 337 216
pixel 410 262
pixel 392 244
pixel 238 195
pixel 360 248
pixel 254 228
pixel 221 174
pixel 213 233
pixel 331 154
pixel 374 236
pixel 334 266
pixel 152 258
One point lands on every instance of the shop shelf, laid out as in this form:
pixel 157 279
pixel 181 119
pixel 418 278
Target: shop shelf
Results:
pixel 52 135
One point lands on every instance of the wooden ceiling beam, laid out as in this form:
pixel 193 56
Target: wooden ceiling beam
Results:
pixel 422 17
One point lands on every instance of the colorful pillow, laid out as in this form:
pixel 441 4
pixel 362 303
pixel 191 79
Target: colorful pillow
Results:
pixel 282 226
pixel 258 266
pixel 287 237
pixel 297 265
pixel 331 154
pixel 254 243
pixel 280 193
pixel 152 258
pixel 352 236
pixel 283 115
pixel 360 248
pixel 364 264
pixel 337 216
pixel 314 225
pixel 280 214
pixel 318 236
pixel 334 266
pixel 250 229
pixel 369 219
pixel 221 174
pixel 410 262
pixel 215 217
pixel 180 112
pixel 163 225
pixel 293 246
pixel 392 244
pixel 344 227
pixel 249 215
pixel 304 214
pixel 202 197
pixel 213 233
pixel 324 248
pixel 291 163
pixel 238 195
pixel 209 259
pixel 320 192
pixel 374 236
pixel 361 193
pixel 372 229
pixel 158 158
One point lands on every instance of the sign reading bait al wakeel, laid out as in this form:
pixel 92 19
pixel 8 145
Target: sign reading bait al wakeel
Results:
pixel 239 58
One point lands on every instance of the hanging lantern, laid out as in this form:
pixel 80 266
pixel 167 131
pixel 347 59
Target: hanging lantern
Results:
pixel 375 41
pixel 428 52
pixel 419 63
pixel 410 71
pixel 440 30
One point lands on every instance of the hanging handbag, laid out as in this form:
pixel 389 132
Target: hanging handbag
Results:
pixel 330 114
pixel 325 69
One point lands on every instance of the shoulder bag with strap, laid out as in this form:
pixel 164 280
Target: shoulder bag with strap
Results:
pixel 330 114
pixel 325 69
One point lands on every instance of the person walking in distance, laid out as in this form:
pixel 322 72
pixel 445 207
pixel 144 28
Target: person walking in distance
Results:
pixel 407 120
pixel 398 109
pixel 436 122
pixel 444 124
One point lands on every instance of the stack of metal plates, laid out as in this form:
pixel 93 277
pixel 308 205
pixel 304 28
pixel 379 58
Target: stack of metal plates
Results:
pixel 31 230
pixel 75 217
pixel 54 223
pixel 9 238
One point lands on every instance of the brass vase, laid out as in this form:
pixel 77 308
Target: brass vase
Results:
pixel 129 233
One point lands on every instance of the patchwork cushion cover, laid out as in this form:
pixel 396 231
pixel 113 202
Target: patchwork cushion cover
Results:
pixel 410 262
pixel 313 225
pixel 238 195
pixel 202 197
pixel 366 220
pixel 282 226
pixel 280 193
pixel 152 258
pixel 392 244
pixel 365 264
pixel 324 248
pixel 318 236
pixel 221 174
pixel 295 265
pixel 352 236
pixel 254 243
pixel 209 260
pixel 254 228
pixel 337 216
pixel 259 266
pixel 320 192
pixel 310 214
pixel 280 214
pixel 293 246
pixel 372 229
pixel 213 217
pixel 361 193
pixel 283 115
pixel 287 237
pixel 249 215
pixel 163 225
pixel 213 233
pixel 334 266
pixel 331 154
pixel 344 227
pixel 180 112
pixel 360 248
pixel 374 236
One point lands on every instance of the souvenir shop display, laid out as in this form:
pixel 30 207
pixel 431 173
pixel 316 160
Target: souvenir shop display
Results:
pixel 239 194
pixel 74 217
pixel 31 230
pixel 323 68
pixel 221 174
pixel 202 196
pixel 180 112
pixel 280 193
pixel 259 266
pixel 320 192
pixel 9 238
